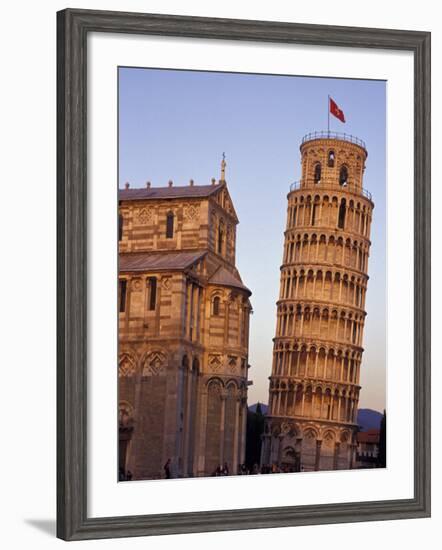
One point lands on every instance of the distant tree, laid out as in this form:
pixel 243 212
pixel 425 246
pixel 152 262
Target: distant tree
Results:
pixel 255 429
pixel 382 458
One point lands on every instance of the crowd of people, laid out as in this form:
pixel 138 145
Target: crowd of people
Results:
pixel 221 470
pixel 244 469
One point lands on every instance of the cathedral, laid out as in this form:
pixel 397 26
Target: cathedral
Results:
pixel 183 332
pixel 317 352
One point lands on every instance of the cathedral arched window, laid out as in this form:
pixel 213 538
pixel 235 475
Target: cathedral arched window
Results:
pixel 122 290
pixel 341 216
pixel 216 305
pixel 317 173
pixel 152 297
pixel 331 159
pixel 169 225
pixel 343 175
pixel 220 238
pixel 120 227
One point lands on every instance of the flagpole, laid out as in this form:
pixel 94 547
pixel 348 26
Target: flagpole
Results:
pixel 328 116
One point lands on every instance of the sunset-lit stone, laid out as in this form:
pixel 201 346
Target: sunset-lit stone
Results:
pixel 183 331
pixel 314 385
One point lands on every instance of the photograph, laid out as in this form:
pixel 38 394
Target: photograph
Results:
pixel 223 213
pixel 252 291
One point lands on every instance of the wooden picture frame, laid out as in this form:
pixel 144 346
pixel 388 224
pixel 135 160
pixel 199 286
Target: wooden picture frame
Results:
pixel 73 27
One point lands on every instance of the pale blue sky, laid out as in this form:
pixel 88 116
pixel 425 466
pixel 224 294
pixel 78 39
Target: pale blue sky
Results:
pixel 176 124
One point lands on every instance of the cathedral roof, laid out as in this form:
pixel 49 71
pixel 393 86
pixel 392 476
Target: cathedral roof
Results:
pixel 158 261
pixel 370 436
pixel 224 277
pixel 169 192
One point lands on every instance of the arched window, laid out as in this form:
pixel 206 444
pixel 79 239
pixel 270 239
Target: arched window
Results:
pixel 317 173
pixel 152 301
pixel 169 225
pixel 195 365
pixel 343 175
pixel 220 238
pixel 331 159
pixel 216 305
pixel 122 290
pixel 341 217
pixel 315 207
pixel 120 227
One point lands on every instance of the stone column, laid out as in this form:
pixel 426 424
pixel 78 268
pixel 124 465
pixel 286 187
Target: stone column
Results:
pixel 223 397
pixel 318 454
pixel 280 440
pixel 336 455
pixel 187 412
pixel 298 358
pixel 352 448
pixel 298 450
pixel 324 372
pixel 341 373
pixel 202 433
pixel 236 437
pixel 243 430
pixel 321 205
pixel 188 308
pixel 355 410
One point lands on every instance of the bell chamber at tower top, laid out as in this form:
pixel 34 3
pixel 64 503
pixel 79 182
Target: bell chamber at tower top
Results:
pixel 334 162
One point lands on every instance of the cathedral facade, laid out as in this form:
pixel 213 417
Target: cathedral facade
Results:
pixel 317 353
pixel 183 332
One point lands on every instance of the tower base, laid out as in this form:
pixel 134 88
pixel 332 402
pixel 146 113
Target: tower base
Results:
pixel 304 446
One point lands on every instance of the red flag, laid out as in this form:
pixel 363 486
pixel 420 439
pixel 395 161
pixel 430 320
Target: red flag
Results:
pixel 336 111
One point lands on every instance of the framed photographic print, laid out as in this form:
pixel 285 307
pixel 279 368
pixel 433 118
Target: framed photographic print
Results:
pixel 243 274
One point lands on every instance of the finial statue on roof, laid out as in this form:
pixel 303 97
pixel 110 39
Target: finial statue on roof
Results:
pixel 223 168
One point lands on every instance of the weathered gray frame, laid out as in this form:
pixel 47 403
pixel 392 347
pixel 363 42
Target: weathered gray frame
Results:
pixel 73 27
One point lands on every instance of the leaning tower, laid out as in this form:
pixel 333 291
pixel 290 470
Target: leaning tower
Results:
pixel 314 385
